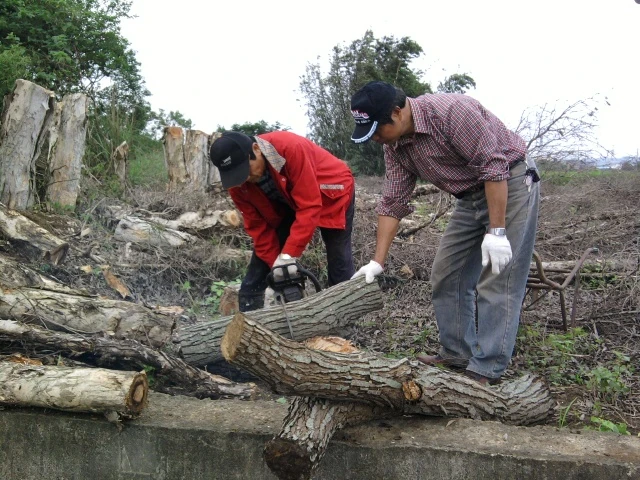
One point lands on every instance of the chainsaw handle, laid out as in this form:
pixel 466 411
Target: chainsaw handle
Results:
pixel 311 277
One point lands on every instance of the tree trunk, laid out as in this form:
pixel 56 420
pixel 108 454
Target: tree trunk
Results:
pixel 66 150
pixel 25 112
pixel 291 368
pixel 27 296
pixel 173 142
pixel 30 238
pixel 132 229
pixel 120 159
pixel 328 312
pixel 196 160
pixel 214 174
pixel 73 389
pixel 174 375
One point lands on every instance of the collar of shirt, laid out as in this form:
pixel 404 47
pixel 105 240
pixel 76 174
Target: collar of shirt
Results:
pixel 420 125
pixel 276 160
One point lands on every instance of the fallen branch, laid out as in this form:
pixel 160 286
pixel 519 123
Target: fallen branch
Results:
pixel 176 377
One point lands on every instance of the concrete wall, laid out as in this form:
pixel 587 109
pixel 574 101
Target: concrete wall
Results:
pixel 182 438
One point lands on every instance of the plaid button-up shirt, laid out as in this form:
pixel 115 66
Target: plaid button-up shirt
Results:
pixel 457 146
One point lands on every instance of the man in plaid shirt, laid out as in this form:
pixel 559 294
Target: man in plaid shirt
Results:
pixel 482 264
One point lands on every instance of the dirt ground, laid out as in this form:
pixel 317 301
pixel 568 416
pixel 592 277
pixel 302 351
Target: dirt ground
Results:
pixel 591 368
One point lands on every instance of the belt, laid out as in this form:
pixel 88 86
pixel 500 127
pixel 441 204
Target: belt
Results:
pixel 477 188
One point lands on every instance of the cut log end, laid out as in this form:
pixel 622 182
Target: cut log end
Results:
pixel 232 336
pixel 287 460
pixel 412 391
pixel 138 393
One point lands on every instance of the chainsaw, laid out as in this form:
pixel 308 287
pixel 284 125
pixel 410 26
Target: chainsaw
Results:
pixel 288 287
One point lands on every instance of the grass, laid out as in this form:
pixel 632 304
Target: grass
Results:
pixel 147 166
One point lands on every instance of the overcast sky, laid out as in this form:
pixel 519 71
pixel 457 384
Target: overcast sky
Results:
pixel 240 61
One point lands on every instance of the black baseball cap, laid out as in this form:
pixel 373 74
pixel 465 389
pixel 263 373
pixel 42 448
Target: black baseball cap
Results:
pixel 367 106
pixel 230 153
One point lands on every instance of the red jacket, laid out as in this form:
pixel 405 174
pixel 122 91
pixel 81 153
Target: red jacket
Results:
pixel 317 186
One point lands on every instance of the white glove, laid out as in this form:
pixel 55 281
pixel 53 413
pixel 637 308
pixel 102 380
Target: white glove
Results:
pixel 497 250
pixel 269 297
pixel 370 271
pixel 284 259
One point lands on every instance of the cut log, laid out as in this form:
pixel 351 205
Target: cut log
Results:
pixel 25 112
pixel 30 238
pixel 424 190
pixel 28 296
pixel 174 375
pixel 292 368
pixel 73 389
pixel 204 220
pixel 135 230
pixel 66 149
pixel 307 429
pixel 328 312
pixel 173 143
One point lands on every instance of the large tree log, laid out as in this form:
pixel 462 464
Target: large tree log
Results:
pixel 66 149
pixel 73 389
pixel 292 368
pixel 202 220
pixel 28 296
pixel 31 238
pixel 174 375
pixel 25 112
pixel 328 312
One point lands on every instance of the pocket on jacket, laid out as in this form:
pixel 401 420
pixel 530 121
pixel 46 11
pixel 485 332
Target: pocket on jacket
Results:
pixel 333 190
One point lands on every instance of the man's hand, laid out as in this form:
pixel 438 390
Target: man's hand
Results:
pixel 284 259
pixel 497 250
pixel 370 271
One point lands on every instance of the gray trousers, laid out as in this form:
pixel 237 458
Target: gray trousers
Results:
pixel 464 291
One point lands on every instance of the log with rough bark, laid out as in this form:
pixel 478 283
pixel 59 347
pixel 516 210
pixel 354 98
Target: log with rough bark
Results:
pixel 174 376
pixel 424 190
pixel 31 238
pixel 202 220
pixel 30 297
pixel 173 142
pixel 135 230
pixel 292 368
pixel 328 312
pixel 73 389
pixel 26 110
pixel 66 149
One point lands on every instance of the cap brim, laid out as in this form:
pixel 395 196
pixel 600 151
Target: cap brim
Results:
pixel 363 133
pixel 235 176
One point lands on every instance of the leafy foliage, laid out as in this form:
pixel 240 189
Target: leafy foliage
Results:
pixel 328 97
pixel 252 129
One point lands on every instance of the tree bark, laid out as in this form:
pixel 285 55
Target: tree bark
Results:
pixel 174 375
pixel 30 238
pixel 291 368
pixel 173 142
pixel 213 178
pixel 25 112
pixel 73 389
pixel 325 313
pixel 66 150
pixel 28 296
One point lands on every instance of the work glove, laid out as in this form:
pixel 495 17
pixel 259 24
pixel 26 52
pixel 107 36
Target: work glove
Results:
pixel 269 297
pixel 497 250
pixel 284 259
pixel 370 271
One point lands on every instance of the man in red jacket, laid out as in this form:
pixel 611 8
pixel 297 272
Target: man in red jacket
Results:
pixel 286 186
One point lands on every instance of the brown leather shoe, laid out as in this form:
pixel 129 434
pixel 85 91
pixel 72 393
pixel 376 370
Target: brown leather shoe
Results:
pixel 481 379
pixel 435 360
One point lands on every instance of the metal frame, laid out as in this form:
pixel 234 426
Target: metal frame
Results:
pixel 538 280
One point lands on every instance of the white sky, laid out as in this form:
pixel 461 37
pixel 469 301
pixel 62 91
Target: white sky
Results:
pixel 240 61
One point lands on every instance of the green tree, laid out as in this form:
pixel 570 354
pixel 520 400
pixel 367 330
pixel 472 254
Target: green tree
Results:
pixel 456 83
pixel 253 129
pixel 328 97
